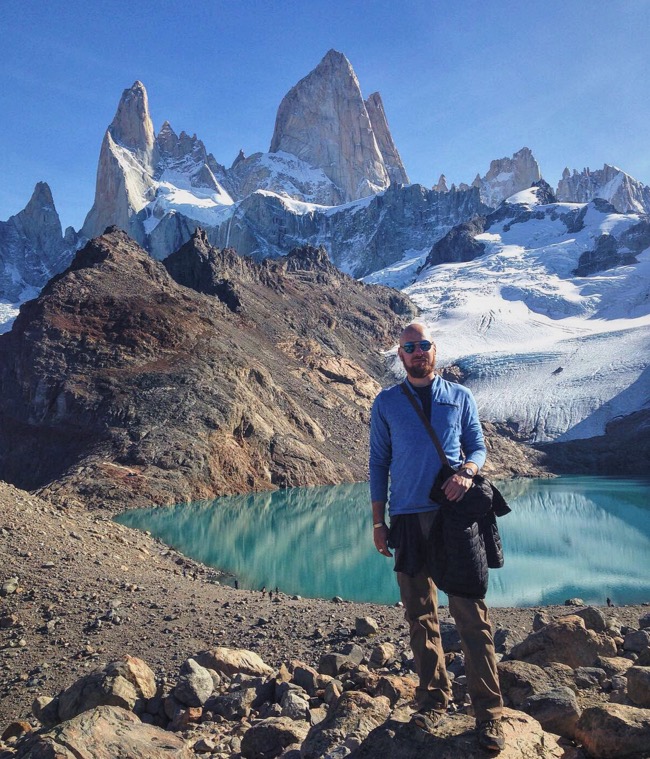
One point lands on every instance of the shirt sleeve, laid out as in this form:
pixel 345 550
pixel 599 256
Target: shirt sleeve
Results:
pixel 471 437
pixel 380 454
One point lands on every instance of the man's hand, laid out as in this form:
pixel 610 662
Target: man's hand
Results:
pixel 380 536
pixel 456 487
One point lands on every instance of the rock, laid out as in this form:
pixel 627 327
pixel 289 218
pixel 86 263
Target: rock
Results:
pixel 205 746
pixel 594 618
pixel 455 738
pixel 306 677
pixel 505 639
pixel 589 677
pixel 230 661
pixel 194 685
pixel 106 732
pixel 352 718
pixel 540 619
pixel 507 176
pixel 520 680
pixel 450 637
pixel 382 654
pixel 556 710
pixel 365 626
pixel 269 738
pixel 574 602
pixel 46 710
pixel 127 682
pixel 612 731
pixel 614 665
pixel 637 641
pixel 234 705
pixel 294 706
pixel 334 662
pixel 644 621
pixel 396 688
pixel 565 640
pixel 15 730
pixel 638 685
pixel 184 716
pixel 9 586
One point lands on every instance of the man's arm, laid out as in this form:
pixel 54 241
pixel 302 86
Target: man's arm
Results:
pixel 473 445
pixel 380 528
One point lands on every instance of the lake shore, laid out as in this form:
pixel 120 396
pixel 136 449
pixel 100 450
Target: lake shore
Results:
pixel 90 590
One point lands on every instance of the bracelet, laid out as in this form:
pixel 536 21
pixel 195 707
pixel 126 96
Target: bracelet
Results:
pixel 376 525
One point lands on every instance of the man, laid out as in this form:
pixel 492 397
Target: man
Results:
pixel 402 451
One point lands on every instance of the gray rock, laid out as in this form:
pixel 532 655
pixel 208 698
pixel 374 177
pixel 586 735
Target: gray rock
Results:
pixel 230 661
pixel 644 621
pixel 294 706
pixel 521 680
pixel 233 705
pixel 594 618
pixel 306 677
pixel 637 641
pixel 9 586
pixel 505 639
pixel 365 626
pixel 556 710
pixel 574 602
pixel 638 685
pixel 614 730
pixel 382 654
pixel 589 677
pixel 269 738
pixel 352 718
pixel 195 684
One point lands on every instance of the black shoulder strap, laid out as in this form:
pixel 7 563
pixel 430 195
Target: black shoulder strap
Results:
pixel 426 422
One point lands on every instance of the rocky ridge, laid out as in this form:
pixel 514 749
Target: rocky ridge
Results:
pixel 127 638
pixel 121 384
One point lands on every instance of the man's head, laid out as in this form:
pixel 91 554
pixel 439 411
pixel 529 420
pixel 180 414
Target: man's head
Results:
pixel 418 362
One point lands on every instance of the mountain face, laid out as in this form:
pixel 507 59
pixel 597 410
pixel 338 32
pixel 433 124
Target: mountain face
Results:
pixel 123 383
pixel 624 192
pixel 323 120
pixel 507 176
pixel 32 247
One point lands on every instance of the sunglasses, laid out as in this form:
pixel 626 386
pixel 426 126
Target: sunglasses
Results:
pixel 425 345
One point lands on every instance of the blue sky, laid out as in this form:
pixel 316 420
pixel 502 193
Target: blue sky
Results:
pixel 463 81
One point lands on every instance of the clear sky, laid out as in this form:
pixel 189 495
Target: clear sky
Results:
pixel 463 81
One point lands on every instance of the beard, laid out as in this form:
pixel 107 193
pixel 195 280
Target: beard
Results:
pixel 419 369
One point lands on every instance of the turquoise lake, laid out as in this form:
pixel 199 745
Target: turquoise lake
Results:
pixel 572 536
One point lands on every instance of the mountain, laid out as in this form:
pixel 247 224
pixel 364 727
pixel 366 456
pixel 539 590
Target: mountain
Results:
pixel 122 383
pixel 323 120
pixel 507 176
pixel 610 183
pixel 544 308
pixel 33 247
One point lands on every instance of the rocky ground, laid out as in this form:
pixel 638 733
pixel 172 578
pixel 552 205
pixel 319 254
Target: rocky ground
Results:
pixel 89 591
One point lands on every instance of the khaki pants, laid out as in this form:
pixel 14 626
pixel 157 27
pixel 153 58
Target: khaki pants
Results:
pixel 420 598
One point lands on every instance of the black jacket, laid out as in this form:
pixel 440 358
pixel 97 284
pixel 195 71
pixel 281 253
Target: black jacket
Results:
pixel 462 545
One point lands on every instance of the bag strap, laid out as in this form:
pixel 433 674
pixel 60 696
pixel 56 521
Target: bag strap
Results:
pixel 425 422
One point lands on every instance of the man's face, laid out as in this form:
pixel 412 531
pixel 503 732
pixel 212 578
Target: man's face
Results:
pixel 418 364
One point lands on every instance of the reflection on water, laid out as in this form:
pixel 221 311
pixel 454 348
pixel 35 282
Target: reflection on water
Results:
pixel 572 536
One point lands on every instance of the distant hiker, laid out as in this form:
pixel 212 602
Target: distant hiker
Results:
pixel 263 589
pixel 402 451
pixel 270 594
pixel 609 601
pixel 236 584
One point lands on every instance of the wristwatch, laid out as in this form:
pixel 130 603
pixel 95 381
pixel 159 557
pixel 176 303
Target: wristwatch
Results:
pixel 467 472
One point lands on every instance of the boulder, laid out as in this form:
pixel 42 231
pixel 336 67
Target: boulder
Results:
pixel 638 686
pixel 233 705
pixel 271 736
pixel 365 626
pixel 594 618
pixel 520 680
pixel 127 682
pixel 306 677
pixel 230 661
pixel 455 738
pixel 556 710
pixel 195 685
pixel 566 640
pixel 381 654
pixel 637 641
pixel 613 731
pixel 348 723
pixel 106 732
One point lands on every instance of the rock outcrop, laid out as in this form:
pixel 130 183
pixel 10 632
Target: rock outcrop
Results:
pixel 33 247
pixel 610 183
pixel 323 120
pixel 117 379
pixel 507 176
pixel 392 160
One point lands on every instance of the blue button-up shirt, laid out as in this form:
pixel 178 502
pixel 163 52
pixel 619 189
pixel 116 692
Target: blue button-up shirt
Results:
pixel 402 451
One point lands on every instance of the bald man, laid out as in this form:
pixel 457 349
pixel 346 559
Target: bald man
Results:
pixel 403 454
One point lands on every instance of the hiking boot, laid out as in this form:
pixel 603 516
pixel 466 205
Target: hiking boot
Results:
pixel 490 734
pixel 427 719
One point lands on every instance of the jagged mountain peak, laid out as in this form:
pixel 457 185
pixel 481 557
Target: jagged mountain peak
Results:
pixel 132 127
pixel 323 120
pixel 609 183
pixel 508 176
